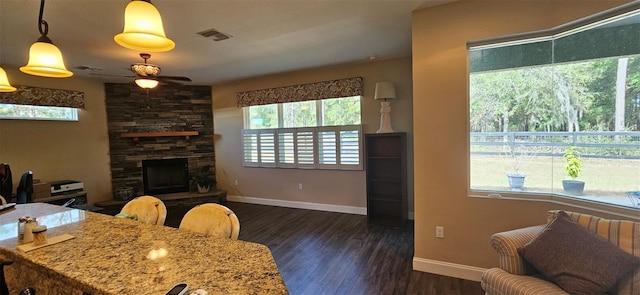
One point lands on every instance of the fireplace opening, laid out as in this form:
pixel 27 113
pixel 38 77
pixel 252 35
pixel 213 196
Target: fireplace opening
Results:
pixel 165 176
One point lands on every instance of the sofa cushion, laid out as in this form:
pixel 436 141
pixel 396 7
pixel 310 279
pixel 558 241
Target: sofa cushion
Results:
pixel 576 259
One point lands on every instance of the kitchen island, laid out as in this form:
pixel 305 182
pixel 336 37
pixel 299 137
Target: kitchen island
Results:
pixel 109 255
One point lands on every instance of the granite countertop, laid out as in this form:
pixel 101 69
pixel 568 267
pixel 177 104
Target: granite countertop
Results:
pixel 120 256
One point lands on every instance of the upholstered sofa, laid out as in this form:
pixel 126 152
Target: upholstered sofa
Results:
pixel 515 275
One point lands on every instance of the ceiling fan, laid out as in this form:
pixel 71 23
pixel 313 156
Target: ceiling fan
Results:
pixel 149 74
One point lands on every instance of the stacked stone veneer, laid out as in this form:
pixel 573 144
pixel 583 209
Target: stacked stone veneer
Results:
pixel 165 108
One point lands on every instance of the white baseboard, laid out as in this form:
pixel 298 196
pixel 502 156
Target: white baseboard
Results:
pixel 300 205
pixel 443 268
pixel 304 205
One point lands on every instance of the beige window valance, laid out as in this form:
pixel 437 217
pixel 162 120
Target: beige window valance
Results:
pixel 36 96
pixel 312 91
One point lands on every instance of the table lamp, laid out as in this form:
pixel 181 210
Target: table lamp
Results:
pixel 385 91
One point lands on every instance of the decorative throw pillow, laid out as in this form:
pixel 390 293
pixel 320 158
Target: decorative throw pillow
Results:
pixel 576 259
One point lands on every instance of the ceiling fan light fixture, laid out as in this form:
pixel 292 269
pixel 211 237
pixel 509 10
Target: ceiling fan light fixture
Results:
pixel 5 86
pixel 146 83
pixel 145 69
pixel 143 29
pixel 45 59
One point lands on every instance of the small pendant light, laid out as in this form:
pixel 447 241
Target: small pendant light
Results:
pixel 45 59
pixel 5 86
pixel 143 28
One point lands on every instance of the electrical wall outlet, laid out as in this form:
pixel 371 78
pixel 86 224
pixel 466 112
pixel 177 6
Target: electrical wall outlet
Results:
pixel 236 182
pixel 299 185
pixel 440 232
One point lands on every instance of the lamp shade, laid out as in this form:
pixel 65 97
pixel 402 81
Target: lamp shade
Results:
pixel 45 59
pixel 143 29
pixel 384 91
pixel 147 83
pixel 5 86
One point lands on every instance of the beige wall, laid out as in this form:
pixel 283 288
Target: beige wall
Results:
pixel 343 188
pixel 56 150
pixel 440 111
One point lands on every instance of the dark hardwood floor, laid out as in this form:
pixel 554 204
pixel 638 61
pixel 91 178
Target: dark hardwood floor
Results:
pixel 333 253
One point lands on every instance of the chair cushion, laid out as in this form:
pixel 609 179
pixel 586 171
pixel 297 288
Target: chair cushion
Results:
pixel 576 259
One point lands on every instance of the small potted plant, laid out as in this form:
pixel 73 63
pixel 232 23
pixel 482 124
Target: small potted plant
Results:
pixel 518 154
pixel 516 179
pixel 203 179
pixel 122 191
pixel 573 167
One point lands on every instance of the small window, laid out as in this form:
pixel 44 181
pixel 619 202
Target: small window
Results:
pixel 29 112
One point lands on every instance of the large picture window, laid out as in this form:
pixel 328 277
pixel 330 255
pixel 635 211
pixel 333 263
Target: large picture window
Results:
pixel 315 134
pixel 559 114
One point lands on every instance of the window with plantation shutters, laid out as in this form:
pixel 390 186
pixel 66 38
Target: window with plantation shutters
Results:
pixel 320 134
pixel 328 147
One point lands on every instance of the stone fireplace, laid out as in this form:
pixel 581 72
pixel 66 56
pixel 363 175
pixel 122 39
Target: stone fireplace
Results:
pixel 166 123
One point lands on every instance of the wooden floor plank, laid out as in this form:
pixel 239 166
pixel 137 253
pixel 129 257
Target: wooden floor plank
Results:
pixel 334 253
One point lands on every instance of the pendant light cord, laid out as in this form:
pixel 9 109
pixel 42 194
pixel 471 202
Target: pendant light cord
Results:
pixel 43 26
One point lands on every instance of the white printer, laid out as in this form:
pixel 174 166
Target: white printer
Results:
pixel 63 187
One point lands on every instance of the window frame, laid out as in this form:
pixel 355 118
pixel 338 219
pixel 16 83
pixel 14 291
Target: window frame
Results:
pixel 539 36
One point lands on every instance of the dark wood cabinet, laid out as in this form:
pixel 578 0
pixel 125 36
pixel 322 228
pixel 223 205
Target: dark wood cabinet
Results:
pixel 386 167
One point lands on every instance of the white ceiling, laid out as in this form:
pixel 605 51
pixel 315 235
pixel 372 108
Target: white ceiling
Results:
pixel 269 36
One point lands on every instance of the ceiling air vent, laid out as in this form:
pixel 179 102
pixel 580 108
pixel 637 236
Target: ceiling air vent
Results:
pixel 214 35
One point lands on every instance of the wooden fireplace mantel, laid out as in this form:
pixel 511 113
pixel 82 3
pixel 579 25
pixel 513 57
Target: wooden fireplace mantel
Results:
pixel 137 135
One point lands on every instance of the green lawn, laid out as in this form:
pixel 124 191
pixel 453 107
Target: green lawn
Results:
pixel 545 174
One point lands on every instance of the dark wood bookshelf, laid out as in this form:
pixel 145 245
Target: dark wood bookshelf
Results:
pixel 386 167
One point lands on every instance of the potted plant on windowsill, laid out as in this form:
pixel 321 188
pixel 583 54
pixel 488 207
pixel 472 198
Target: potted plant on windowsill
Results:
pixel 518 155
pixel 573 167
pixel 203 179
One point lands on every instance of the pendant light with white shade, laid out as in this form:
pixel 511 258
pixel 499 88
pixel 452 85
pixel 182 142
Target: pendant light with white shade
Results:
pixel 143 29
pixel 45 59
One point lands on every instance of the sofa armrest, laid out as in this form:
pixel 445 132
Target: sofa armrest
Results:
pixel 496 281
pixel 507 244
